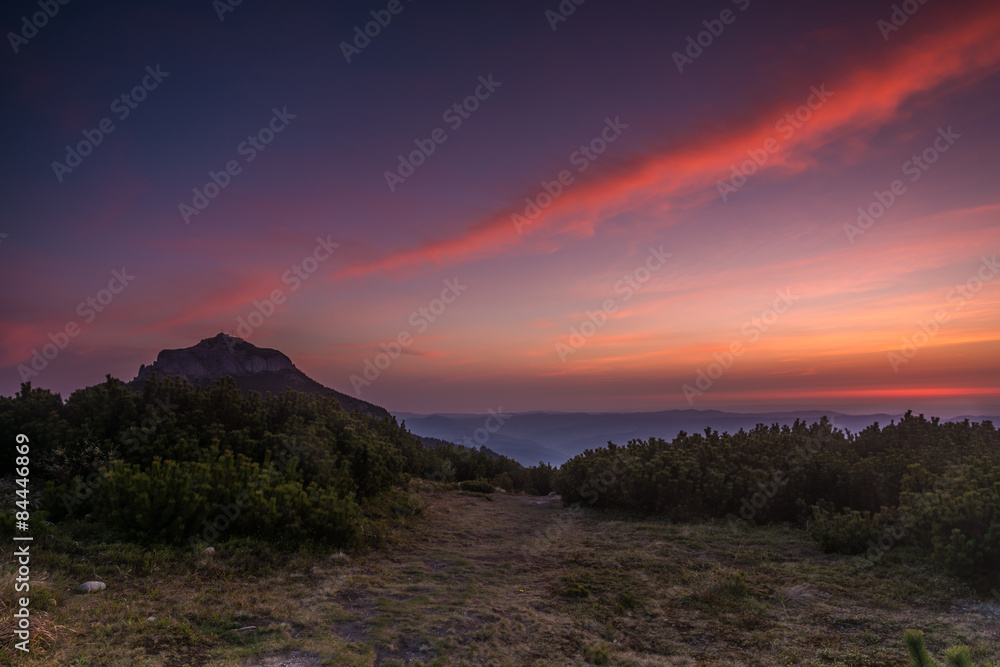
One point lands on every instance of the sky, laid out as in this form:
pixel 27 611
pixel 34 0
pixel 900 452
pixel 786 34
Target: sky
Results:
pixel 457 207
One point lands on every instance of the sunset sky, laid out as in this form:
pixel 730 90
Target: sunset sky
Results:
pixel 693 200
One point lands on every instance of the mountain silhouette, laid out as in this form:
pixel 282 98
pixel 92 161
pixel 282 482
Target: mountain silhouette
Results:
pixel 253 368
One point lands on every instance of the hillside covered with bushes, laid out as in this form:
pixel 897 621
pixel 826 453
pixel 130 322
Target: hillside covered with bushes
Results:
pixel 181 464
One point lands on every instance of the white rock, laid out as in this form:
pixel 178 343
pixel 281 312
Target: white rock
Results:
pixel 91 587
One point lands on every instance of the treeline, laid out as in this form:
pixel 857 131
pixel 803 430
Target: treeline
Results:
pixel 177 463
pixel 916 484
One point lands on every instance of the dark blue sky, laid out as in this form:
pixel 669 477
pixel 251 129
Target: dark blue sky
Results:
pixel 344 125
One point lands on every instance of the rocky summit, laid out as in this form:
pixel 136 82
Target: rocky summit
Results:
pixel 253 368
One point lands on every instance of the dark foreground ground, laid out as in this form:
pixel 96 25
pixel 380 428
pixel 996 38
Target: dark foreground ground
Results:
pixel 459 588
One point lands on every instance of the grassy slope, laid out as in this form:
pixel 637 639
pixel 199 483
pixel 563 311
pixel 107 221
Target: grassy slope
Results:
pixel 458 589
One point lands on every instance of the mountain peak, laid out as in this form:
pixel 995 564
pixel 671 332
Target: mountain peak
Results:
pixel 253 368
pixel 216 357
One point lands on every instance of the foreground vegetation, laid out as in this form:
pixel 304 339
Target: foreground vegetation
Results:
pixel 460 582
pixel 253 531
pixel 179 464
pixel 927 487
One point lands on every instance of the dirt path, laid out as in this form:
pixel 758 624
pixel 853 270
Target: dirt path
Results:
pixel 474 585
pixel 464 577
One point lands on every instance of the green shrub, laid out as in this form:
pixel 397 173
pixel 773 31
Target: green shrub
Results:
pixel 628 600
pixel 598 654
pixel 477 485
pixel 959 520
pixel 232 496
pixel 575 586
pixel 847 532
pixel 503 481
pixel 734 585
pixel 957 656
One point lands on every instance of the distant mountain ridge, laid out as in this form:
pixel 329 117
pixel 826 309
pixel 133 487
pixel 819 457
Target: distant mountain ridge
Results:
pixel 253 368
pixel 431 443
pixel 555 437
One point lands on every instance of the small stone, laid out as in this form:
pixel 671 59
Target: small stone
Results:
pixel 91 587
pixel 209 551
pixel 151 619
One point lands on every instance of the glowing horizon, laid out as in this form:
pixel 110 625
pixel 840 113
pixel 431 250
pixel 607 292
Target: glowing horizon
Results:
pixel 804 218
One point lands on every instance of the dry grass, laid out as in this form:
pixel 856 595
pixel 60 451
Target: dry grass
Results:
pixel 458 588
pixel 43 630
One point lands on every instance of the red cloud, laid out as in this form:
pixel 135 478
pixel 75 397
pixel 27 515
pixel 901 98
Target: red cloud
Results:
pixel 867 97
